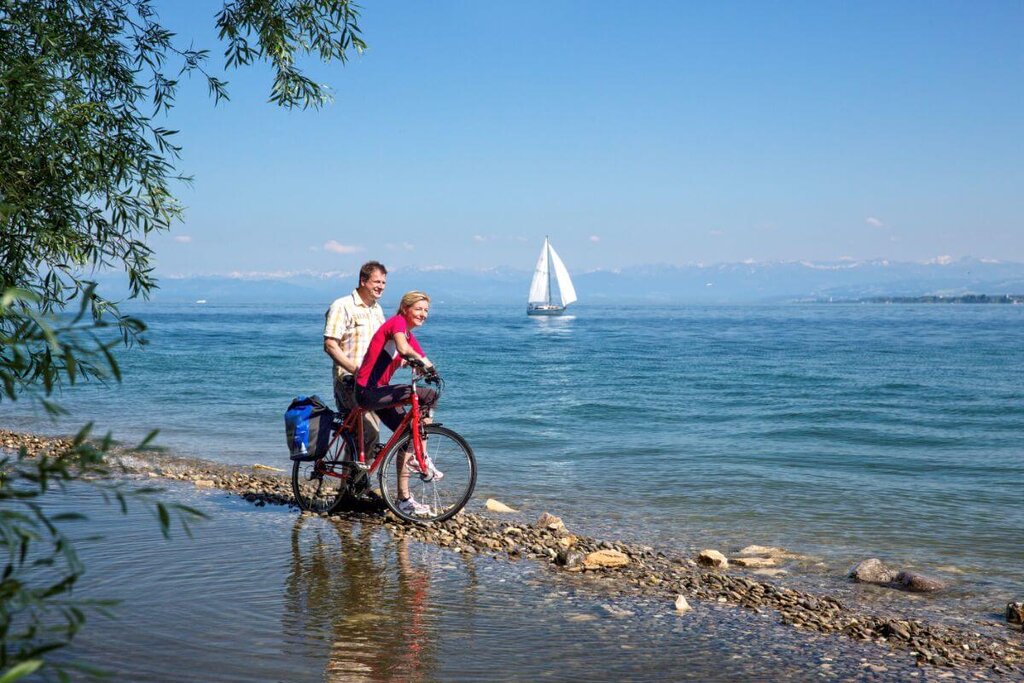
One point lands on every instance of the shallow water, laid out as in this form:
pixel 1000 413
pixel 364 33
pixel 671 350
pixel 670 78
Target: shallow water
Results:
pixel 841 432
pixel 266 595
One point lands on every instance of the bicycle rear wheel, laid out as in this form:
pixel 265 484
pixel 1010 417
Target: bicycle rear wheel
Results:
pixel 322 485
pixel 445 496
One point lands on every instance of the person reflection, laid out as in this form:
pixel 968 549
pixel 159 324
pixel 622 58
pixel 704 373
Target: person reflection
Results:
pixel 363 604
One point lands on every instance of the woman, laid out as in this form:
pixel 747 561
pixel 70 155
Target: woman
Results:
pixel 390 346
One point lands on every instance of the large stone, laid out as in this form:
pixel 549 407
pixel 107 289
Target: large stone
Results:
pixel 570 559
pixel 497 506
pixel 551 522
pixel 605 558
pixel 712 558
pixel 872 571
pixel 681 604
pixel 203 483
pixel 753 562
pixel 1015 613
pixel 918 583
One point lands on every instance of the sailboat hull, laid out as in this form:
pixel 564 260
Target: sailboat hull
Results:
pixel 545 309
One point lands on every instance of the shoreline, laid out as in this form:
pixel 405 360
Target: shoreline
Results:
pixel 645 572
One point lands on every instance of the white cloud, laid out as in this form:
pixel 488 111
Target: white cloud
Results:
pixel 480 239
pixel 716 233
pixel 872 221
pixel 943 260
pixel 183 239
pixel 404 246
pixel 339 248
pixel 595 238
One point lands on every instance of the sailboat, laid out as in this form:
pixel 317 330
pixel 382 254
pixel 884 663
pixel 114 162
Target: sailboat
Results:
pixel 541 301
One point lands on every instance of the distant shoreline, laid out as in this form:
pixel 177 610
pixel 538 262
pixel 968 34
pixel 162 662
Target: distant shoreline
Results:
pixel 934 299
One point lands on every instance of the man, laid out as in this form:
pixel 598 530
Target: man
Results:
pixel 351 322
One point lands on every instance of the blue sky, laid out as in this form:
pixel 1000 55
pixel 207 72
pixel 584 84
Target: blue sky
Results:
pixel 631 133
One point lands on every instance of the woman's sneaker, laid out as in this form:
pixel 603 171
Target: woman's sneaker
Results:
pixel 433 474
pixel 409 506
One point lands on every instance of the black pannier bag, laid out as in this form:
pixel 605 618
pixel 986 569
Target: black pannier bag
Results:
pixel 307 427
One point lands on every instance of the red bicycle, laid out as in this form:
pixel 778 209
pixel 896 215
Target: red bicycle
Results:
pixel 436 462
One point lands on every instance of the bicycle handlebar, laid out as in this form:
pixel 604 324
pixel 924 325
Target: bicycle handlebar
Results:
pixel 428 375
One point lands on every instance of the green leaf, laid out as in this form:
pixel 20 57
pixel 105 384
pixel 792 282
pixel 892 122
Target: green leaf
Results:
pixel 21 670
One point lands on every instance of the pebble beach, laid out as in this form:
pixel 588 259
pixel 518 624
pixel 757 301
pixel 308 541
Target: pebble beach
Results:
pixel 621 575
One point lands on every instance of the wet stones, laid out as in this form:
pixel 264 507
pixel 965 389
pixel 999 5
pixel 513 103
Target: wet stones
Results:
pixel 874 571
pixel 712 558
pixel 681 604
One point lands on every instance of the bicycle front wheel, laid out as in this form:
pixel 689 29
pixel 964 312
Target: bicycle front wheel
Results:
pixel 444 495
pixel 321 485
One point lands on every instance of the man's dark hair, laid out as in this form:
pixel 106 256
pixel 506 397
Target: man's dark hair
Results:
pixel 368 270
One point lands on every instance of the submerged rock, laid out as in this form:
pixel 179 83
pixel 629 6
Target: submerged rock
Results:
pixel 753 562
pixel 712 558
pixel 497 506
pixel 872 571
pixel 918 583
pixel 767 550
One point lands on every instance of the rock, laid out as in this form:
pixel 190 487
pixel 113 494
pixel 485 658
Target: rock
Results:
pixel 616 612
pixel 770 572
pixel 203 483
pixel 872 571
pixel 681 604
pixel 549 521
pixel 1015 613
pixel 605 558
pixel 761 550
pixel 918 583
pixel 567 541
pixel 570 559
pixel 497 506
pixel 712 558
pixel 753 562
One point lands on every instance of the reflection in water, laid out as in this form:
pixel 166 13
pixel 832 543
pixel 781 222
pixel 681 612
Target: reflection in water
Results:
pixel 366 608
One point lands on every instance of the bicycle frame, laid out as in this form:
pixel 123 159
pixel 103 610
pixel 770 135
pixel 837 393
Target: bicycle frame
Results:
pixel 353 423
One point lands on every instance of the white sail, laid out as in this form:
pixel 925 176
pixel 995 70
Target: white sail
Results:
pixel 565 288
pixel 539 293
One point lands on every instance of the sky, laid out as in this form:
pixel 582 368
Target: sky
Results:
pixel 630 133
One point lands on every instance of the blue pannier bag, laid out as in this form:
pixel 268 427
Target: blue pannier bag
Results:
pixel 307 427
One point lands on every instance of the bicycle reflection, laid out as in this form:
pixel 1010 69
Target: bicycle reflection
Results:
pixel 357 594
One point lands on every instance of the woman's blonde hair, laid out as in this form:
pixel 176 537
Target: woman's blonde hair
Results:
pixel 411 298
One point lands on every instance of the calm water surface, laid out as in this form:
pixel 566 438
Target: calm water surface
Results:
pixel 840 432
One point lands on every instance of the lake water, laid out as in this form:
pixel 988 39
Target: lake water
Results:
pixel 837 431
pixel 266 595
